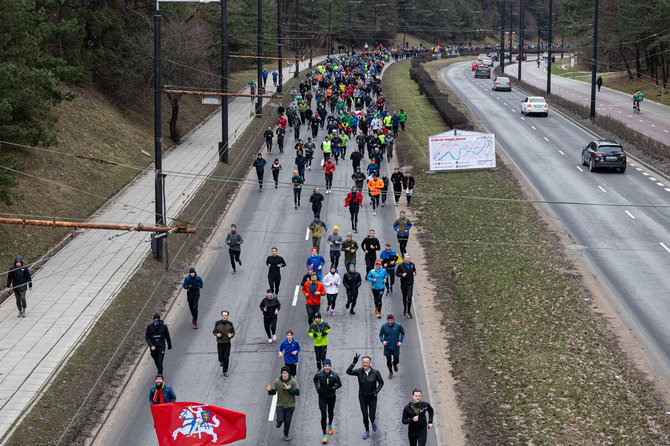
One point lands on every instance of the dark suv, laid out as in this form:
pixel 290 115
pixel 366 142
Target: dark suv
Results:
pixel 483 71
pixel 604 155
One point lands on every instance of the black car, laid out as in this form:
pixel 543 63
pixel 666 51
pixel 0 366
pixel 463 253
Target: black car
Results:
pixel 483 71
pixel 604 155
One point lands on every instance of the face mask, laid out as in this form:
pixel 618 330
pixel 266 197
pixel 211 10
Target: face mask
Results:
pixel 156 321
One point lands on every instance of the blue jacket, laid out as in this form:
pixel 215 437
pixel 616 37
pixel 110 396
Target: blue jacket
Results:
pixel 380 276
pixel 288 349
pixel 168 395
pixel 192 286
pixel 372 167
pixel 388 257
pixel 392 334
pixel 315 262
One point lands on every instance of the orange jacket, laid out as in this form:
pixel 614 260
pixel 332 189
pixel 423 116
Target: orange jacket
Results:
pixel 375 185
pixel 313 299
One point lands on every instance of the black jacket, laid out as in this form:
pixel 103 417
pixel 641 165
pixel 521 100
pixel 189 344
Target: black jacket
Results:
pixel 352 281
pixel 316 199
pixel 408 414
pixel 371 245
pixel 326 384
pixel 272 305
pixel 403 268
pixel 355 158
pixel 19 277
pixel 274 262
pixel 157 335
pixel 368 384
pixel 397 179
pixel 408 182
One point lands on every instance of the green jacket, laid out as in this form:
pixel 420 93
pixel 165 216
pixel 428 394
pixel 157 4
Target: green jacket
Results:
pixel 319 332
pixel 349 257
pixel 402 116
pixel 224 328
pixel 387 121
pixel 285 398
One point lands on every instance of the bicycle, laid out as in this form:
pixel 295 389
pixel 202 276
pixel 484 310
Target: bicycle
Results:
pixel 636 107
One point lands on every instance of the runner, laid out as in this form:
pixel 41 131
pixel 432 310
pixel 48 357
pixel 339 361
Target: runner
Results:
pixel 281 132
pixel 316 199
pixel 335 242
pixel 349 246
pixel 353 200
pixel 161 393
pixel 317 227
pixel 224 330
pixel 234 240
pixel 297 181
pixel 397 180
pixel 352 281
pixel 313 290
pixel 270 307
pixel 276 167
pixel 300 162
pixel 289 349
pixel 370 246
pixel 193 284
pixel 332 283
pixel 19 280
pixel 259 164
pixel 402 226
pixel 274 263
pixel 406 271
pixel 328 168
pixel 326 148
pixel 378 278
pixel 375 186
pixel 402 117
pixel 370 382
pixel 389 260
pixel 318 331
pixel 408 185
pixel 385 188
pixel 309 148
pixel 358 177
pixel 392 334
pixel 414 415
pixel 355 158
pixel 269 134
pixel 286 388
pixel 326 382
pixel 157 336
pixel 316 262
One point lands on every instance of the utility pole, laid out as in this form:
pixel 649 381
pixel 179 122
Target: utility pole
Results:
pixel 259 102
pixel 502 36
pixel 511 27
pixel 374 26
pixel 594 64
pixel 404 30
pixel 311 45
pixel 470 38
pixel 297 29
pixel 158 154
pixel 549 63
pixel 522 26
pixel 330 4
pixel 280 41
pixel 223 145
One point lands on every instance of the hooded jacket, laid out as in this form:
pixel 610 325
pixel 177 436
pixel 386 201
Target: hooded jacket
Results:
pixel 313 299
pixel 332 283
pixel 288 348
pixel 234 241
pixel 319 332
pixel 315 262
pixel 352 281
pixel 19 276
pixel 402 227
pixel 157 335
pixel 380 275
pixel 326 383
pixel 369 384
pixel 271 305
pixel 285 398
pixel 192 286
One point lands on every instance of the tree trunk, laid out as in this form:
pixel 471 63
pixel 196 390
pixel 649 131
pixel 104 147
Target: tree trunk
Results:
pixel 637 61
pixel 174 103
pixel 625 61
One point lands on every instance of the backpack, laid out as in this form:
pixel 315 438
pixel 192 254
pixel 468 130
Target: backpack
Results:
pixel 639 97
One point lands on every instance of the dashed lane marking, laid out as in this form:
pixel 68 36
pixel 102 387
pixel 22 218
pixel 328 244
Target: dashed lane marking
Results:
pixel 667 189
pixel 579 168
pixel 307 234
pixel 638 169
pixel 546 139
pixel 522 118
pixel 273 408
pixel 601 188
pixel 533 127
pixel 630 215
pixel 295 295
pixel 645 174
pixel 561 152
pixel 664 247
pixel 653 179
pixel 660 184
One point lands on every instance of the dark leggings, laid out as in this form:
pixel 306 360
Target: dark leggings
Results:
pixel 407 292
pixel 270 324
pixel 335 258
pixel 402 241
pixel 296 196
pixel 391 278
pixel 375 202
pixel 292 369
pixel 193 306
pixel 320 353
pixel 354 217
pixel 326 403
pixel 274 279
pixel 223 349
pixel 284 415
pixel 368 409
pixel 234 256
pixel 329 180
pixel 418 439
pixel 351 299
pixel 260 178
pixel 396 194
pixel 392 359
pixel 377 294
pixel 158 354
pixel 331 300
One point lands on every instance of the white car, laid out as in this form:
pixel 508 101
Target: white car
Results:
pixel 534 104
pixel 488 62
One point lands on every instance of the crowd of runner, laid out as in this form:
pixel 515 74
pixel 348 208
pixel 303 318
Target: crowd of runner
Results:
pixel 342 96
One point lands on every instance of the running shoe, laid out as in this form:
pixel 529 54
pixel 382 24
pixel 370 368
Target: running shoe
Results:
pixel 409 315
pixel 330 429
pixel 366 435
pixel 374 427
pixel 325 439
pixel 395 367
pixel 195 324
pixel 274 338
pixel 240 262
pixel 327 308
pixel 390 377
pixel 270 341
pixel 332 312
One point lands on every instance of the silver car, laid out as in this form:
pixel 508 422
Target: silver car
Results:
pixel 534 105
pixel 501 83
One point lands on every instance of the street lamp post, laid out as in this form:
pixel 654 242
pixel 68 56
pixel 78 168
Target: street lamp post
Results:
pixel 259 65
pixel 158 154
pixel 311 45
pixel 549 63
pixel 223 145
pixel 330 6
pixel 374 26
pixel 404 29
pixel 502 36
pixel 594 64
pixel 522 26
pixel 280 44
pixel 297 27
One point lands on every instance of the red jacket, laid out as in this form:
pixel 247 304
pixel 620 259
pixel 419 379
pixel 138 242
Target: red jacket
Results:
pixel 357 196
pixel 282 122
pixel 328 168
pixel 313 299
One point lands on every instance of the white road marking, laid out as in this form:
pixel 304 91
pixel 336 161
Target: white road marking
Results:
pixel 630 215
pixel 546 139
pixel 523 119
pixel 664 247
pixel 580 169
pixel 653 125
pixel 645 174
pixel 504 103
pixel 307 234
pixel 665 131
pixel 660 184
pixel 533 127
pixel 600 187
pixel 653 179
pixel 295 295
pixel 273 408
pixel 561 152
pixel 637 168
pixel 633 164
pixel 667 189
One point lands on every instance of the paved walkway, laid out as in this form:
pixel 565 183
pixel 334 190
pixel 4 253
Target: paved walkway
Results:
pixel 653 121
pixel 75 286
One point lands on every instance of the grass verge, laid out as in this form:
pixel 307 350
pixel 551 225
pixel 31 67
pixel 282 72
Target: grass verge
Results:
pixel 534 363
pixel 45 421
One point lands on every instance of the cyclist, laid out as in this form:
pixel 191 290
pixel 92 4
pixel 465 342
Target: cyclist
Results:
pixel 638 96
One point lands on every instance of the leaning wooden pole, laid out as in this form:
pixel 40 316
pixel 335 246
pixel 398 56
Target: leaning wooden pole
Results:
pixel 181 229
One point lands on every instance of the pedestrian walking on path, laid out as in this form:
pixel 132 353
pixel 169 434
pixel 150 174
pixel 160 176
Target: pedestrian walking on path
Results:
pixel 318 331
pixel 378 278
pixel 375 186
pixel 327 382
pixel 352 281
pixel 316 262
pixel 392 334
pixel 224 330
pixel 297 180
pixel 370 246
pixel 370 382
pixel 317 227
pixel 328 168
pixel 331 283
pixel 397 179
pixel 259 164
pixel 408 184
pixel 276 167
pixel 414 416
pixel 20 281
pixel 161 393
pixel 313 290
pixel 317 201
pixel 401 226
pixel 389 260
pixel 599 82
pixel 353 201
pixel 335 242
pixel 234 242
pixel 286 388
pixel 270 307
pixel 289 349
pixel 349 246
pixel 193 284
pixel 274 263
pixel 157 336
pixel 406 271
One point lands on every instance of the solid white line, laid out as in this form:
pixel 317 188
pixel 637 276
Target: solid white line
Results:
pixel 295 295
pixel 546 139
pixel 664 247
pixel 273 408
pixel 630 215
pixel 533 127
pixel 580 169
pixel 307 234
pixel 600 187
pixel 561 152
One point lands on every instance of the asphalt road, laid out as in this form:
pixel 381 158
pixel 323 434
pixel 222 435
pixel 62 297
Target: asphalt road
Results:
pixel 628 246
pixel 266 219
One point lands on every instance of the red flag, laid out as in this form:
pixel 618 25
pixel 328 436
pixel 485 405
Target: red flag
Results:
pixel 196 424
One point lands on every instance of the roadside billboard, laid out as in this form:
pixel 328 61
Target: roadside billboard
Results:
pixel 461 149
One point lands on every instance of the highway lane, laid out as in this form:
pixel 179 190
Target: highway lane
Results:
pixel 626 245
pixel 266 219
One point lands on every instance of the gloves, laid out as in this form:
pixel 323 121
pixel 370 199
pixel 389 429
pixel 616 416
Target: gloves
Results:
pixel 356 356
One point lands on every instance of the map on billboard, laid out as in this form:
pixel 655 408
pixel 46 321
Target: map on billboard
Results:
pixel 461 149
